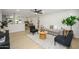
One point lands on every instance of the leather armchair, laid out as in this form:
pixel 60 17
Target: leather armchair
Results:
pixel 33 29
pixel 66 41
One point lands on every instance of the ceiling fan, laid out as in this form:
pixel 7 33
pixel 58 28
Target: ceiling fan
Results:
pixel 37 11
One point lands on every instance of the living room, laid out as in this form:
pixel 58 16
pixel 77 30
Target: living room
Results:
pixel 48 25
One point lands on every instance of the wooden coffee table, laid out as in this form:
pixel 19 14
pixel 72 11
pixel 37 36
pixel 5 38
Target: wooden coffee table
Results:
pixel 42 35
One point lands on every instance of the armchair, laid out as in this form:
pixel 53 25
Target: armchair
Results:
pixel 66 41
pixel 33 29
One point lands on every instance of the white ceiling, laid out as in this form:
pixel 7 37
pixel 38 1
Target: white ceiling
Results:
pixel 29 12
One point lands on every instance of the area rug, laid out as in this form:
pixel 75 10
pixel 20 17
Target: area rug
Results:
pixel 48 43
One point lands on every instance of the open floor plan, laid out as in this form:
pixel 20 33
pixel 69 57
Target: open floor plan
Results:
pixel 39 29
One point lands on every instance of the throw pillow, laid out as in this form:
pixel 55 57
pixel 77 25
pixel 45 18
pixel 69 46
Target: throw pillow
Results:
pixel 65 33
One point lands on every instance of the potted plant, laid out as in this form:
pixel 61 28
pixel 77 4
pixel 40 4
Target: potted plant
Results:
pixel 70 21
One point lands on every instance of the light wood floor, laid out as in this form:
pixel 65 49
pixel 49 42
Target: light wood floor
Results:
pixel 75 43
pixel 20 40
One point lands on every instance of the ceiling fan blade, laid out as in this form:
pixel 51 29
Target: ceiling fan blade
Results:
pixel 37 11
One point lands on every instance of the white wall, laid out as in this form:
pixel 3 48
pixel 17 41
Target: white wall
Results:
pixel 76 26
pixel 56 18
pixel 0 15
pixel 16 27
